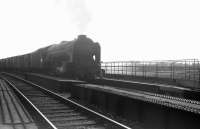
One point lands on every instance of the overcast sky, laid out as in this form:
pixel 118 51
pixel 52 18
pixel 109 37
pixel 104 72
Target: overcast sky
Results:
pixel 126 29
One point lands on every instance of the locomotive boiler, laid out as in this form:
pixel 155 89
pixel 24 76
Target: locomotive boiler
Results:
pixel 79 58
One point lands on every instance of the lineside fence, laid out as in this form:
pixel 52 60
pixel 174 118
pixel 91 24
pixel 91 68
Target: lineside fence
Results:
pixel 186 70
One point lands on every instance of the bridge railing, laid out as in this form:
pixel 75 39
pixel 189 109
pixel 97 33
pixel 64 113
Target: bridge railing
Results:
pixel 185 70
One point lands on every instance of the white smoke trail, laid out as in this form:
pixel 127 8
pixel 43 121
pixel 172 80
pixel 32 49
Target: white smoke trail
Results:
pixel 78 13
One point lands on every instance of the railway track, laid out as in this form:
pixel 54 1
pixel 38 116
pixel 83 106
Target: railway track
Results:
pixel 187 104
pixel 161 99
pixel 59 112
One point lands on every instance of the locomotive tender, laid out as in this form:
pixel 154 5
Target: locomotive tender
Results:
pixel 79 58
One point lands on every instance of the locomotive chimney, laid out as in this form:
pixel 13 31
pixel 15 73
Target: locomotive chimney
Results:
pixel 82 37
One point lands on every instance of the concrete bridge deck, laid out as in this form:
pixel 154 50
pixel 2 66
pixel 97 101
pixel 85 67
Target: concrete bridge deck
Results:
pixel 13 115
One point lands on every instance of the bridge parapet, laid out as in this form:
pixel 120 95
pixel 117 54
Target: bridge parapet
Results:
pixel 184 72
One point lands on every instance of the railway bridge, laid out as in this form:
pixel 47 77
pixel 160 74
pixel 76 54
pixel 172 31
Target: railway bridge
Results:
pixel 66 86
pixel 138 95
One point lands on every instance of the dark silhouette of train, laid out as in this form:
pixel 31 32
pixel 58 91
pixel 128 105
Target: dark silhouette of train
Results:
pixel 79 58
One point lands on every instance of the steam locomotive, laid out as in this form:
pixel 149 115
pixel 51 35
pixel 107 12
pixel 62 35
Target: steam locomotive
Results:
pixel 79 58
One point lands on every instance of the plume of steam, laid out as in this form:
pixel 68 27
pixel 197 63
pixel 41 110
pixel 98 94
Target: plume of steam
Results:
pixel 78 13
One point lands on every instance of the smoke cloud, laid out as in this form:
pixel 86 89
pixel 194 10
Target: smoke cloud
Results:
pixel 78 13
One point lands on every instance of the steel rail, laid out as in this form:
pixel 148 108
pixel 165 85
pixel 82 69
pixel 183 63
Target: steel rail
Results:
pixel 47 123
pixel 70 101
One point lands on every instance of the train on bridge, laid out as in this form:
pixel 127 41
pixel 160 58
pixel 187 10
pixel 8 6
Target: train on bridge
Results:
pixel 79 58
pixel 175 106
